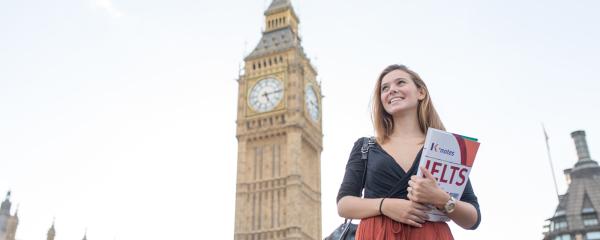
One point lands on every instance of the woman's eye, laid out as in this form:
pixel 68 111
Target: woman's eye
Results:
pixel 383 89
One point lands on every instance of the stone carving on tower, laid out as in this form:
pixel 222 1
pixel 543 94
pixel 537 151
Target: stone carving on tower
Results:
pixel 278 187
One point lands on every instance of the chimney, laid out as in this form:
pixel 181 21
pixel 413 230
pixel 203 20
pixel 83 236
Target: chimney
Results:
pixel 581 145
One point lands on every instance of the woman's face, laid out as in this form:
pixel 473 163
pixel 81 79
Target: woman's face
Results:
pixel 399 93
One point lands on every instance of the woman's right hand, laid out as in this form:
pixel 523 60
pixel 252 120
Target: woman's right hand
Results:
pixel 404 211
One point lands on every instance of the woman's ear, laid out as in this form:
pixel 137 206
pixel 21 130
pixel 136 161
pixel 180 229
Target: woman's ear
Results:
pixel 422 94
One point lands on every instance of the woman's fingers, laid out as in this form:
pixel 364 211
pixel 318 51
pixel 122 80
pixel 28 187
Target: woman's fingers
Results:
pixel 422 208
pixel 420 214
pixel 413 223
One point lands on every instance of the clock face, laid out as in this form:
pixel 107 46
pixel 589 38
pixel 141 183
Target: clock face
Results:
pixel 312 102
pixel 265 95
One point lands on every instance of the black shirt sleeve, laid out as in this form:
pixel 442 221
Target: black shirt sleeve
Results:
pixel 469 197
pixel 355 167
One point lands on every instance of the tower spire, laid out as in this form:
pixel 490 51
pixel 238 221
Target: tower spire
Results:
pixel 52 231
pixel 281 15
pixel 278 5
pixel 581 145
pixel 584 160
pixel 6 205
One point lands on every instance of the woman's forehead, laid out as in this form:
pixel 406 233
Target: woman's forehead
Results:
pixel 393 75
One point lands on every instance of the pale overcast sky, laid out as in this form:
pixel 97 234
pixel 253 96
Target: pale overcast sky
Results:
pixel 119 115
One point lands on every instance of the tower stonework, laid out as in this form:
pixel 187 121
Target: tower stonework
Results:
pixel 279 132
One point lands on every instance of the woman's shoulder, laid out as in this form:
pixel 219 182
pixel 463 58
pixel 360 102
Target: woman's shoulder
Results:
pixel 365 140
pixel 368 140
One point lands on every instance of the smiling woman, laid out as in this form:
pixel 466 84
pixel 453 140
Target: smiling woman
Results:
pixel 402 113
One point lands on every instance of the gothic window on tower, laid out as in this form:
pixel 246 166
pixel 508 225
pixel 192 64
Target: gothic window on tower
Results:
pixel 588 213
pixel 590 219
pixel 563 237
pixel 559 224
pixel 592 235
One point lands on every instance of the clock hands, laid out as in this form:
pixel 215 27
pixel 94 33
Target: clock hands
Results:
pixel 276 91
pixel 266 94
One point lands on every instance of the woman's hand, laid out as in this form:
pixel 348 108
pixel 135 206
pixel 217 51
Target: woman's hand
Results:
pixel 426 191
pixel 404 211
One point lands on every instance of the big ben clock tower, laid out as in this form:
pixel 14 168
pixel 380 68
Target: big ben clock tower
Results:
pixel 278 192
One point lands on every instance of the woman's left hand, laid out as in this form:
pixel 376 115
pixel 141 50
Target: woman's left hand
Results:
pixel 425 190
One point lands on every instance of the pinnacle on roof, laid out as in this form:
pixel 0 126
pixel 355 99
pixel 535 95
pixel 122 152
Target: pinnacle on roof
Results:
pixel 278 5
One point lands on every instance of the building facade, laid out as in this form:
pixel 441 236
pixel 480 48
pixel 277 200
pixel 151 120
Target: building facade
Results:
pixel 279 132
pixel 8 222
pixel 576 216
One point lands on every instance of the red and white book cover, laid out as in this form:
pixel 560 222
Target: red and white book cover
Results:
pixel 449 158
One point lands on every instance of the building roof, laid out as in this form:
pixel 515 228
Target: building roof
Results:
pixel 277 6
pixel 583 194
pixel 275 41
pixel 579 192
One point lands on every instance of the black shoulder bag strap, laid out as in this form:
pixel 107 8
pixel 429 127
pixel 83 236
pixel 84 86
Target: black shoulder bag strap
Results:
pixel 364 150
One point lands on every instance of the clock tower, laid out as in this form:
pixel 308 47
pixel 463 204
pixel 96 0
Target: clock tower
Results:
pixel 279 132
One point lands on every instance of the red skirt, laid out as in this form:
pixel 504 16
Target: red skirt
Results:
pixel 384 228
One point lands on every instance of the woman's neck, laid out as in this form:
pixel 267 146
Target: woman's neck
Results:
pixel 406 126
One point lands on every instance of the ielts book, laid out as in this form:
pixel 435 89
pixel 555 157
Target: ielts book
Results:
pixel 449 158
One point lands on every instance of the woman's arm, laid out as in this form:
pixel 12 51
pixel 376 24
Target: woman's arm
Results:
pixel 401 210
pixel 425 190
pixel 464 214
pixel 358 208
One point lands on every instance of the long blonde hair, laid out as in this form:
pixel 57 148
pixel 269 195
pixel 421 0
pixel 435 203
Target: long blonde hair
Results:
pixel 383 122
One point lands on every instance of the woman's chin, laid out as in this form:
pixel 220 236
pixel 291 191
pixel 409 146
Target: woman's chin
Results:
pixel 400 111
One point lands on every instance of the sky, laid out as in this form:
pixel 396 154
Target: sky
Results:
pixel 118 117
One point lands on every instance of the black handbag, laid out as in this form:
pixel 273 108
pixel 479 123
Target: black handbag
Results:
pixel 347 230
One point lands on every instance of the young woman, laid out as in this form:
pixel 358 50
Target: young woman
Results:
pixel 402 111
